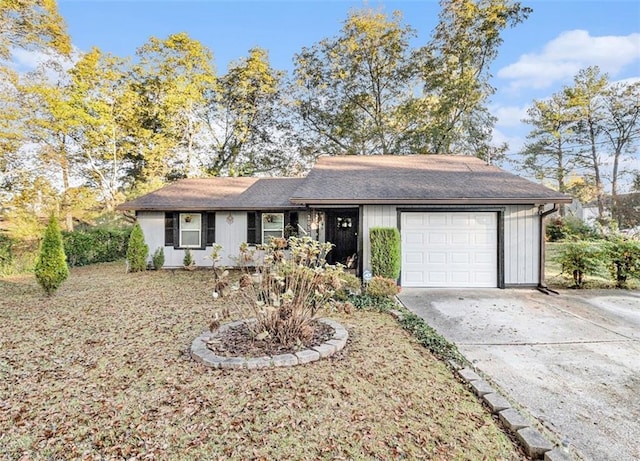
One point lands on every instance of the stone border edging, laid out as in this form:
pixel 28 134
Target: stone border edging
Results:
pixel 534 443
pixel 202 354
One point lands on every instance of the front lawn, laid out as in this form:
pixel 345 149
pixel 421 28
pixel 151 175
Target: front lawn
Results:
pixel 101 371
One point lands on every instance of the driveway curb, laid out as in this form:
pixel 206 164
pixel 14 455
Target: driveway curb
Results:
pixel 534 443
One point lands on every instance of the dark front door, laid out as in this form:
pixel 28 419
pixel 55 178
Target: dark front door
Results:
pixel 342 231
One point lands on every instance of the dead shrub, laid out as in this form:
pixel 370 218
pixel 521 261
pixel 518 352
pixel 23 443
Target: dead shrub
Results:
pixel 285 292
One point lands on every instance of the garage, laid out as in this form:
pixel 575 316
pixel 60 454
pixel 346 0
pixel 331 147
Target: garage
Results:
pixel 449 249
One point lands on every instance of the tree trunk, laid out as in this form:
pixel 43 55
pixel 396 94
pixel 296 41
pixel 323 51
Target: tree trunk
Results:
pixel 615 215
pixel 596 169
pixel 560 177
pixel 66 199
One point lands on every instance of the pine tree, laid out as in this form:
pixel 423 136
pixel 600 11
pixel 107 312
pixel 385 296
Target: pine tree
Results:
pixel 51 267
pixel 137 250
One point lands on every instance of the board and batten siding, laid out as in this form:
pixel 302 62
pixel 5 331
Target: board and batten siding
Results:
pixel 521 245
pixel 521 239
pixel 231 231
pixel 375 216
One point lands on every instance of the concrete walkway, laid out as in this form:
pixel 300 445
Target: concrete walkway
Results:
pixel 571 361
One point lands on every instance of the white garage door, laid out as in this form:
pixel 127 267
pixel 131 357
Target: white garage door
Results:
pixel 449 249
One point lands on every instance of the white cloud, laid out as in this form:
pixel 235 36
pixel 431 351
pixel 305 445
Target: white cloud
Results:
pixel 53 65
pixel 27 60
pixel 515 142
pixel 509 116
pixel 565 55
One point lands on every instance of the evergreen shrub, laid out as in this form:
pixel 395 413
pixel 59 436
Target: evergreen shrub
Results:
pixel 385 252
pixel 51 266
pixel 579 259
pixel 158 258
pixel 137 250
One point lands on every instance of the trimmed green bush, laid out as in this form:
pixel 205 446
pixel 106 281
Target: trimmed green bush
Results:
pixel 137 250
pixel 96 245
pixel 158 258
pixel 579 259
pixel 51 267
pixel 623 260
pixel 385 252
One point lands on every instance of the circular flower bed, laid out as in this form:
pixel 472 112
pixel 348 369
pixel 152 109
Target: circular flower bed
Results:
pixel 216 349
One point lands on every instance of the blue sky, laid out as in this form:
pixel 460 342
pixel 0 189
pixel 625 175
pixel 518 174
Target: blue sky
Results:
pixel 536 59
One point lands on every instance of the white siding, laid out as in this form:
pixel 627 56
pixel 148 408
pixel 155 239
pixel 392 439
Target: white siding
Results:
pixel 521 245
pixel 152 224
pixel 375 216
pixel 231 231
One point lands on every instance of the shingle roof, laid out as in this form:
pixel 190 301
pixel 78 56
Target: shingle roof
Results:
pixel 190 194
pixel 267 193
pixel 379 179
pixel 417 179
pixel 219 194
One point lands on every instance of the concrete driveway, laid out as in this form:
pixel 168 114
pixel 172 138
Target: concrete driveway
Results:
pixel 570 361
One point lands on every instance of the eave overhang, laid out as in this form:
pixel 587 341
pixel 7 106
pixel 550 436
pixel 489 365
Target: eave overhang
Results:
pixel 448 201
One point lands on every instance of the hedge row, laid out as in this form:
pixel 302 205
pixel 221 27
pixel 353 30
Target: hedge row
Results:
pixel 98 245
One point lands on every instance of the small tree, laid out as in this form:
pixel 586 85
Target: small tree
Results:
pixel 624 260
pixel 51 267
pixel 579 259
pixel 137 250
pixel 385 252
pixel 188 262
pixel 158 258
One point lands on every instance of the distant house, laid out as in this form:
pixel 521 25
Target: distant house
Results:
pixel 628 210
pixel 463 223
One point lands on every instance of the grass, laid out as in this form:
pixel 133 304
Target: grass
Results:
pixel 101 371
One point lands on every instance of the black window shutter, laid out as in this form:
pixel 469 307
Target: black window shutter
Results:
pixel 176 229
pixel 211 228
pixel 253 227
pixel 203 230
pixel 168 229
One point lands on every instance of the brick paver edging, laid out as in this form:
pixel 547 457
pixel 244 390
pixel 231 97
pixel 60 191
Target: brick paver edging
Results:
pixel 201 353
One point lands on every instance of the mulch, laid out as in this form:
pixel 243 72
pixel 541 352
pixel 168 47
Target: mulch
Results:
pixel 239 342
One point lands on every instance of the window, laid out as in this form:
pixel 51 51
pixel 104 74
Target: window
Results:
pixel 272 226
pixel 190 230
pixel 168 229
